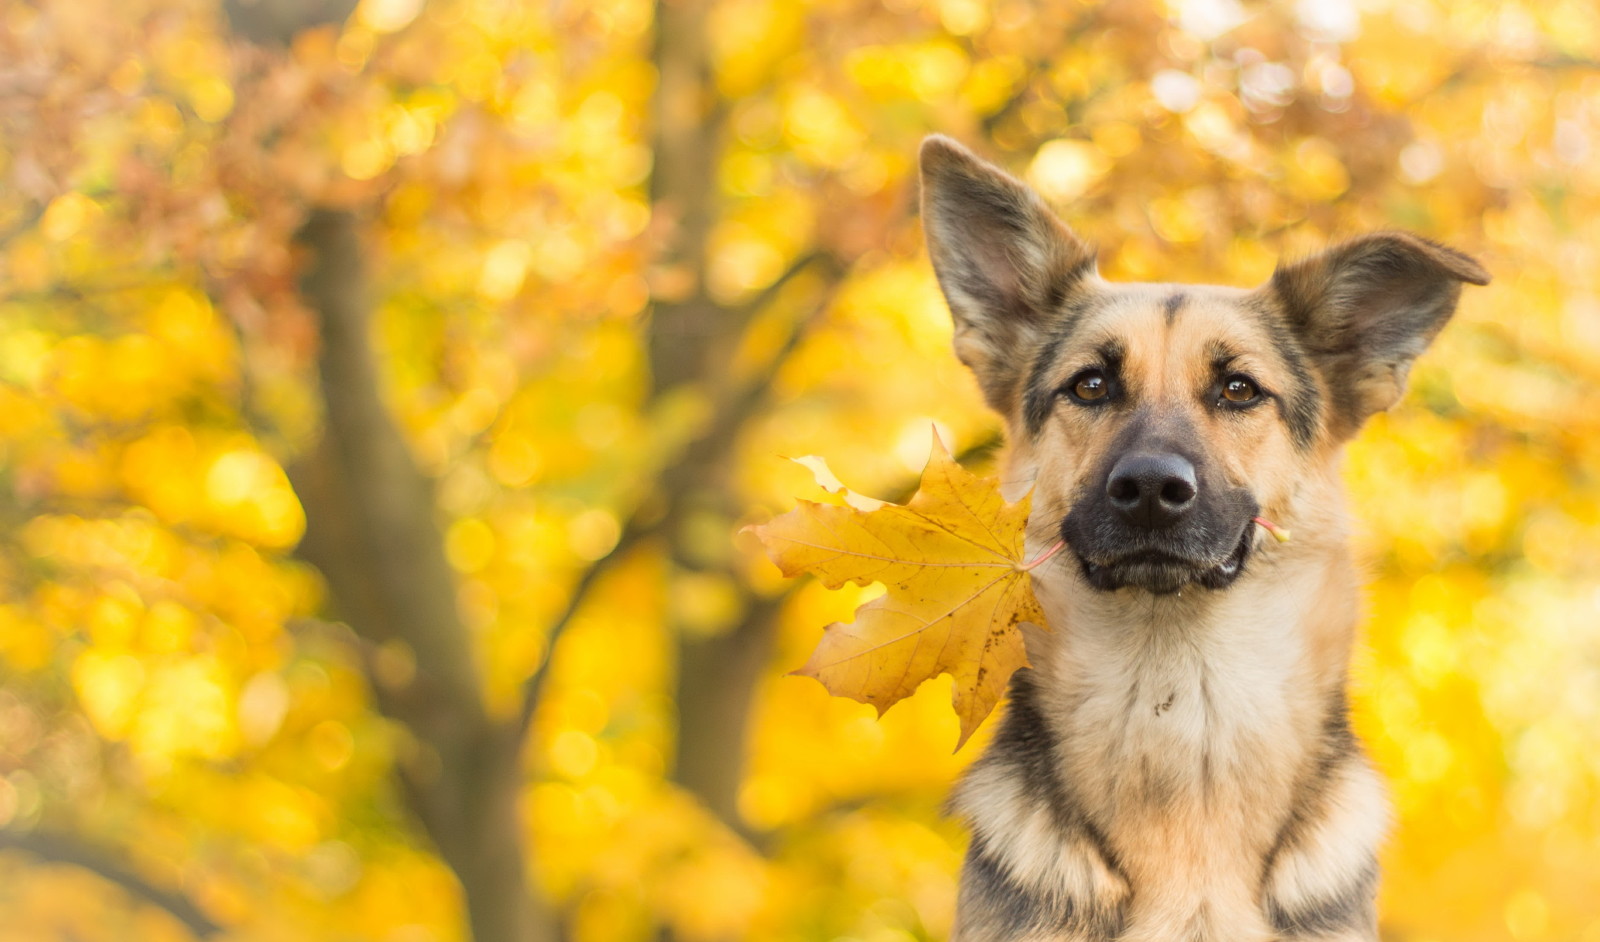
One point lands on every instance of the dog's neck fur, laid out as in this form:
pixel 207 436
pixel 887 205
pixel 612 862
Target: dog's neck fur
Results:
pixel 1220 702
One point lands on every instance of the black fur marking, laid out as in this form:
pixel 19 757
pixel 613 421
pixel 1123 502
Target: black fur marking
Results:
pixel 1300 406
pixel 1336 745
pixel 1354 907
pixel 1170 306
pixel 1222 357
pixel 1059 288
pixel 1112 353
pixel 992 905
pixel 1040 397
pixel 1025 738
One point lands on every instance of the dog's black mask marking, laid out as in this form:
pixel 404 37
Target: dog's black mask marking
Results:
pixel 1208 546
pixel 1157 569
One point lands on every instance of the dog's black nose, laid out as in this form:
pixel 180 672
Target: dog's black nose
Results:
pixel 1152 491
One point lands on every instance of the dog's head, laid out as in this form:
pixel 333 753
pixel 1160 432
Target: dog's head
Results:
pixel 1162 418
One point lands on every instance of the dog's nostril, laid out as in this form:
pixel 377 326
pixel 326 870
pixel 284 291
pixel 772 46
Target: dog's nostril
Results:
pixel 1177 491
pixel 1123 490
pixel 1152 491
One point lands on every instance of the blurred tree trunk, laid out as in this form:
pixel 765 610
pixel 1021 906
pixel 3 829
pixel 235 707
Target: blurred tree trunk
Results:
pixel 371 531
pixel 691 338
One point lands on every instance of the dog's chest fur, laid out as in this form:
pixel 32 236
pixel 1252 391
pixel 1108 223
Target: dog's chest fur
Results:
pixel 1207 734
pixel 1147 780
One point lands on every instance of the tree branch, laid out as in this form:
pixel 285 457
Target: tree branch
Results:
pixel 750 308
pixel 61 849
pixel 533 688
pixel 721 431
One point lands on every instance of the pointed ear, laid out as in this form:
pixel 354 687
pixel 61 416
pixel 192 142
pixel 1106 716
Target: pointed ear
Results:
pixel 1364 310
pixel 1005 262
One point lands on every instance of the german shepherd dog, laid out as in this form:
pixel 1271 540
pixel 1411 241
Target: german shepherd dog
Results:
pixel 1177 764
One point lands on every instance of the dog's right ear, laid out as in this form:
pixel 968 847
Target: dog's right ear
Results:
pixel 1004 261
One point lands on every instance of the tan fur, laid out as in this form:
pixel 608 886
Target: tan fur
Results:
pixel 1242 688
pixel 1181 770
pixel 1244 692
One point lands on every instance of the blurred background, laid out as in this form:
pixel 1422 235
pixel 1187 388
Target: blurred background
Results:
pixel 382 386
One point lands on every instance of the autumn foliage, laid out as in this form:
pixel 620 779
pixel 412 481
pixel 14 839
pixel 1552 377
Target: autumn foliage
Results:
pixel 958 589
pixel 384 386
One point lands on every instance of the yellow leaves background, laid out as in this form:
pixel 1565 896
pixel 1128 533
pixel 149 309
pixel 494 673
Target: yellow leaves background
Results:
pixel 180 691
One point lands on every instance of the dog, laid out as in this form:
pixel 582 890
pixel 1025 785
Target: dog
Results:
pixel 1177 763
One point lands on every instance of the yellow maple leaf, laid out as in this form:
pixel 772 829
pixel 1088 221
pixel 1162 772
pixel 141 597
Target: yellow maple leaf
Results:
pixel 958 589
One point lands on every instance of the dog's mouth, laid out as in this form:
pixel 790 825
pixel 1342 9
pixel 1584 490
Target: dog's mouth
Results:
pixel 1163 573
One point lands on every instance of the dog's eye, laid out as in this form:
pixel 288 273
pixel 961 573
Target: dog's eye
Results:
pixel 1090 386
pixel 1239 390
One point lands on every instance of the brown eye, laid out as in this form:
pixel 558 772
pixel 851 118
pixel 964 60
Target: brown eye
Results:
pixel 1091 386
pixel 1240 390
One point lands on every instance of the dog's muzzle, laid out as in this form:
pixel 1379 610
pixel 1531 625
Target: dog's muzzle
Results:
pixel 1156 526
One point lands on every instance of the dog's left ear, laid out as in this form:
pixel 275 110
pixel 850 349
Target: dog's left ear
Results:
pixel 1005 262
pixel 1365 310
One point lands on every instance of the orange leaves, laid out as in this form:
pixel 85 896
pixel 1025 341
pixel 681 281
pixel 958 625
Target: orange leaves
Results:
pixel 952 561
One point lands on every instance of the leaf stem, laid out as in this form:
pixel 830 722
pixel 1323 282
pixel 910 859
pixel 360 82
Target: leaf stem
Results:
pixel 1045 556
pixel 1279 533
